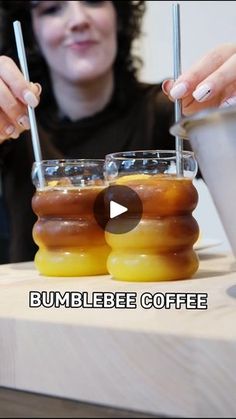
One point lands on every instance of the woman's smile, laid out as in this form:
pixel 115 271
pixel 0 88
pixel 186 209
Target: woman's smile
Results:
pixel 81 45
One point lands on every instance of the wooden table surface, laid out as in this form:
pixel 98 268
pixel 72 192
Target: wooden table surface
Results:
pixel 159 361
pixel 22 404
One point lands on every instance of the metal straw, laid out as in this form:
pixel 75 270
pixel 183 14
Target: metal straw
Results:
pixel 32 119
pixel 177 72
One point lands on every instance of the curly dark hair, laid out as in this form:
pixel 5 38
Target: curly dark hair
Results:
pixel 129 17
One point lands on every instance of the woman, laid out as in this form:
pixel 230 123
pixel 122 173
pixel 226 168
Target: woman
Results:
pixel 79 53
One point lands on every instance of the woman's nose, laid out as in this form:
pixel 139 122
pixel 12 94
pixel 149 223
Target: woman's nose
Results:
pixel 77 15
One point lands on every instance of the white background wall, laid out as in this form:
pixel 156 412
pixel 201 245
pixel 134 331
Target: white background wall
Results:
pixel 204 25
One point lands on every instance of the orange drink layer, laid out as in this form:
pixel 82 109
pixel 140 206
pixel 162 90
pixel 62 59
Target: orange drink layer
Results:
pixel 70 241
pixel 160 247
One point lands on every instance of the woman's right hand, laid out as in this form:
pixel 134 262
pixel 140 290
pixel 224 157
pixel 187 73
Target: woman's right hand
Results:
pixel 15 94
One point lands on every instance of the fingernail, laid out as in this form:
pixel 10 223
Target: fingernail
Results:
pixel 24 121
pixel 163 86
pixel 202 93
pixel 228 102
pixel 10 129
pixel 178 91
pixel 39 88
pixel 30 98
pixel 15 134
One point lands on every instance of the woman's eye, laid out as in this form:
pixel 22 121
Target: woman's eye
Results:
pixel 50 10
pixel 51 7
pixel 47 8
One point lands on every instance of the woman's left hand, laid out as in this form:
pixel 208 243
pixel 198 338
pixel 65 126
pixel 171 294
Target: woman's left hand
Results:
pixel 211 82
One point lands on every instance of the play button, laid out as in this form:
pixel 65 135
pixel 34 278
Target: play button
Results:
pixel 118 209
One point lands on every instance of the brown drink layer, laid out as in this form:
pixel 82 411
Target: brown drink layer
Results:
pixel 65 218
pixel 165 195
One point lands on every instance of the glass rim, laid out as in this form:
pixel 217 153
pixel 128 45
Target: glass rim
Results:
pixel 127 155
pixel 63 162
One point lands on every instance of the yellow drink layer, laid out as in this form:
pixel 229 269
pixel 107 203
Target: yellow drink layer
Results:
pixel 160 248
pixel 145 266
pixel 72 262
pixel 70 241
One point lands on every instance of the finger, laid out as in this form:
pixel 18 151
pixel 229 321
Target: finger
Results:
pixel 37 89
pixel 229 98
pixel 13 78
pixel 167 86
pixel 190 105
pixel 224 82
pixel 217 82
pixel 15 111
pixel 229 101
pixel 190 79
pixel 7 128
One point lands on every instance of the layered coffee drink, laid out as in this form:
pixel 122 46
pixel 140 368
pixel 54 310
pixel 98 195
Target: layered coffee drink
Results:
pixel 70 241
pixel 160 247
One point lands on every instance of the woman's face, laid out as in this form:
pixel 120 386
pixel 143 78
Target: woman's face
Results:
pixel 77 38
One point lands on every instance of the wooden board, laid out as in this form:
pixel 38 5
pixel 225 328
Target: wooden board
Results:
pixel 160 361
pixel 21 404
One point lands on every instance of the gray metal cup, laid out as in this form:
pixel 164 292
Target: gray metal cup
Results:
pixel 212 134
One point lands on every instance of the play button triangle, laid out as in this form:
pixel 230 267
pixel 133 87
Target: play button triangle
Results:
pixel 116 209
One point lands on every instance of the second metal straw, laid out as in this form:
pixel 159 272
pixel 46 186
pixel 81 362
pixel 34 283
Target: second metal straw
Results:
pixel 177 72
